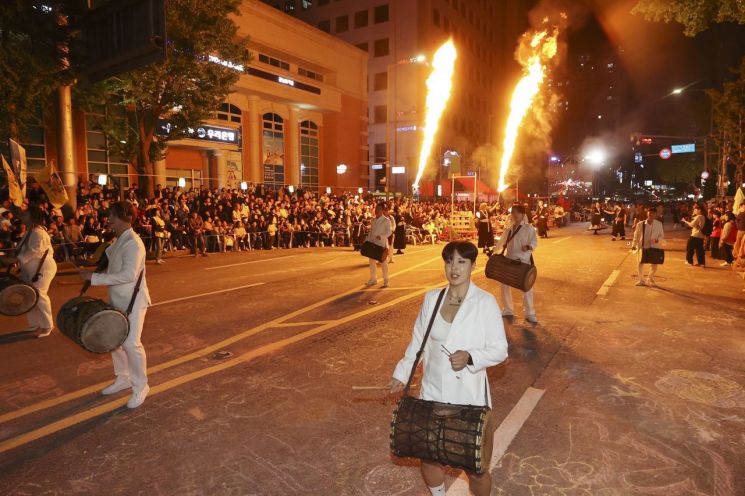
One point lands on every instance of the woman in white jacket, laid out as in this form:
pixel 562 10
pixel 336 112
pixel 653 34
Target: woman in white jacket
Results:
pixel 469 324
pixel 648 234
pixel 34 253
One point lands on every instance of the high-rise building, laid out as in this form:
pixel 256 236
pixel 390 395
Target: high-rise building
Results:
pixel 400 37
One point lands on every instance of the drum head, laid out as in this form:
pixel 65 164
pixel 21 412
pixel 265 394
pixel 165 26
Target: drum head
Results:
pixel 530 278
pixel 17 299
pixel 104 331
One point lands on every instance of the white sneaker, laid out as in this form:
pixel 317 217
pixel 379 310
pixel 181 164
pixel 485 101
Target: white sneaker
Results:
pixel 138 398
pixel 120 384
pixel 371 282
pixel 160 261
pixel 532 320
pixel 724 264
pixel 651 283
pixel 385 284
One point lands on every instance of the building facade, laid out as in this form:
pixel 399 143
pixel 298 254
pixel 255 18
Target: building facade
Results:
pixel 298 111
pixel 396 34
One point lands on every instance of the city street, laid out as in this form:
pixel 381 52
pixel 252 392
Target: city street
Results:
pixel 620 390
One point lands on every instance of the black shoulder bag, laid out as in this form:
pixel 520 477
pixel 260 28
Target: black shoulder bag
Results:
pixel 651 255
pixel 456 435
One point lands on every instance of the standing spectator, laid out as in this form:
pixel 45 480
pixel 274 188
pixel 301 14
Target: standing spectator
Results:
pixel 379 233
pixel 696 240
pixel 648 234
pixel 159 235
pixel 740 222
pixel 73 238
pixel 196 233
pixel 399 235
pixel 619 222
pixel 716 233
pixel 729 238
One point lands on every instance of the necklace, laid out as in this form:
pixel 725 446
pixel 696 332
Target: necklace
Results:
pixel 455 301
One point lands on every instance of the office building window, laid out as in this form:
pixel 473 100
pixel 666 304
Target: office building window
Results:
pixel 381 14
pixel 309 155
pixel 342 24
pixel 273 150
pixel 274 62
pixel 33 142
pixel 310 74
pixel 193 178
pixel 325 26
pixel 363 46
pixel 101 160
pixel 360 19
pixel 307 4
pixel 381 48
pixel 323 2
pixel 229 112
pixel 380 153
pixel 381 81
pixel 381 114
pixel 436 17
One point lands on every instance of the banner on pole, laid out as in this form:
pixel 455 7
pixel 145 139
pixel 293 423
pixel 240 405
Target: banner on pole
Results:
pixel 52 184
pixel 14 189
pixel 18 161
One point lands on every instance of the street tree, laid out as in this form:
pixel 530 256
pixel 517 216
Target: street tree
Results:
pixel 729 121
pixel 31 40
pixel 204 58
pixel 694 15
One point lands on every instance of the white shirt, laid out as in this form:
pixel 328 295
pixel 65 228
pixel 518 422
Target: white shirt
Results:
pixel 126 261
pixel 32 252
pixel 477 329
pixel 380 227
pixel 525 236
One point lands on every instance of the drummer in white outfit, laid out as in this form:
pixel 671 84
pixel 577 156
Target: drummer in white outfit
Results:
pixel 521 247
pixel 380 230
pixel 31 253
pixel 126 263
pixel 468 324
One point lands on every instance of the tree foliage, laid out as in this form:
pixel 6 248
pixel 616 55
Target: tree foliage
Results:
pixel 184 89
pixel 729 119
pixel 694 15
pixel 30 60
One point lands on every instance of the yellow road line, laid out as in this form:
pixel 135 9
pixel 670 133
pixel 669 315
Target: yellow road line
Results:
pixel 110 406
pixel 300 324
pixel 42 405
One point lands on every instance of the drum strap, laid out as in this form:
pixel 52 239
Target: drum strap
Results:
pixel 41 263
pixel 134 293
pixel 424 341
pixel 509 238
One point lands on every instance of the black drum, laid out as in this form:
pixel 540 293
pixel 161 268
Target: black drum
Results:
pixel 93 324
pixel 376 252
pixel 513 273
pixel 16 297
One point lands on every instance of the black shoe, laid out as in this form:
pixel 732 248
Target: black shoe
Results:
pixel 399 252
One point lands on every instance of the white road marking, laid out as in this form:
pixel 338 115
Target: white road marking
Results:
pixel 504 435
pixel 608 283
pixel 246 263
pixel 560 240
pixel 206 294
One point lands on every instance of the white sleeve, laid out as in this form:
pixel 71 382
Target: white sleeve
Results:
pixel 403 368
pixel 495 344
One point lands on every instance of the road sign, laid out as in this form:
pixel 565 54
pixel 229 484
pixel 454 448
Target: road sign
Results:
pixel 665 153
pixel 686 148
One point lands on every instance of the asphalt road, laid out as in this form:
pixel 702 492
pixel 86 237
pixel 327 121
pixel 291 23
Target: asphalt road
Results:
pixel 620 390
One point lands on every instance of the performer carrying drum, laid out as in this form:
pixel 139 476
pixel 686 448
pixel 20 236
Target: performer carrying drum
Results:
pixel 380 230
pixel 467 324
pixel 483 227
pixel 520 240
pixel 36 257
pixel 125 270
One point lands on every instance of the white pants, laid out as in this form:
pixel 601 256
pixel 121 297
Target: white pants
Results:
pixel 41 315
pixel 652 271
pixel 129 359
pixel 374 270
pixel 508 308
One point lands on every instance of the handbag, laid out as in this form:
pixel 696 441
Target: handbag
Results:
pixel 376 252
pixel 456 435
pixel 651 255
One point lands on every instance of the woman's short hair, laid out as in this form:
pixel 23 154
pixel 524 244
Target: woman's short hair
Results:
pixel 123 210
pixel 35 215
pixel 518 208
pixel 465 249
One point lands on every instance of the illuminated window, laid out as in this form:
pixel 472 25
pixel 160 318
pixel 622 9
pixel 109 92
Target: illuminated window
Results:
pixel 309 155
pixel 101 158
pixel 273 148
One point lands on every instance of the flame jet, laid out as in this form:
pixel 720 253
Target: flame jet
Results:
pixel 439 86
pixel 542 47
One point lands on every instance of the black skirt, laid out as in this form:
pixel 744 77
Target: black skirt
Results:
pixel 486 238
pixel 399 238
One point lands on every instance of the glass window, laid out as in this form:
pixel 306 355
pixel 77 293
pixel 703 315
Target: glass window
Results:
pixel 325 26
pixel 381 48
pixel 342 23
pixel 381 14
pixel 381 81
pixel 229 112
pixel 323 2
pixel 381 114
pixel 360 19
pixel 380 152
pixel 101 159
pixel 309 155
pixel 34 142
pixel 307 4
pixel 273 147
pixel 363 46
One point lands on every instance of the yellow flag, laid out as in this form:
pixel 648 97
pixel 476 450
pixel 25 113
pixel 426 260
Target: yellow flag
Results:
pixel 52 185
pixel 14 190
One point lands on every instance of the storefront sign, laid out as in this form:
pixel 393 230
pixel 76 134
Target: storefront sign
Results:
pixel 204 132
pixel 686 148
pixel 398 169
pixel 283 80
pixel 226 63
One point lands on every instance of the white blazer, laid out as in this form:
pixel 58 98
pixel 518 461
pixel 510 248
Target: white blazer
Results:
pixel 653 238
pixel 477 329
pixel 525 236
pixel 30 255
pixel 380 227
pixel 126 260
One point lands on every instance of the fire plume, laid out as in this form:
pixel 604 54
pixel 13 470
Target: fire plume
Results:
pixel 439 86
pixel 540 49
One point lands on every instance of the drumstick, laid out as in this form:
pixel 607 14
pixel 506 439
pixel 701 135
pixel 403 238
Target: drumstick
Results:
pixel 374 388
